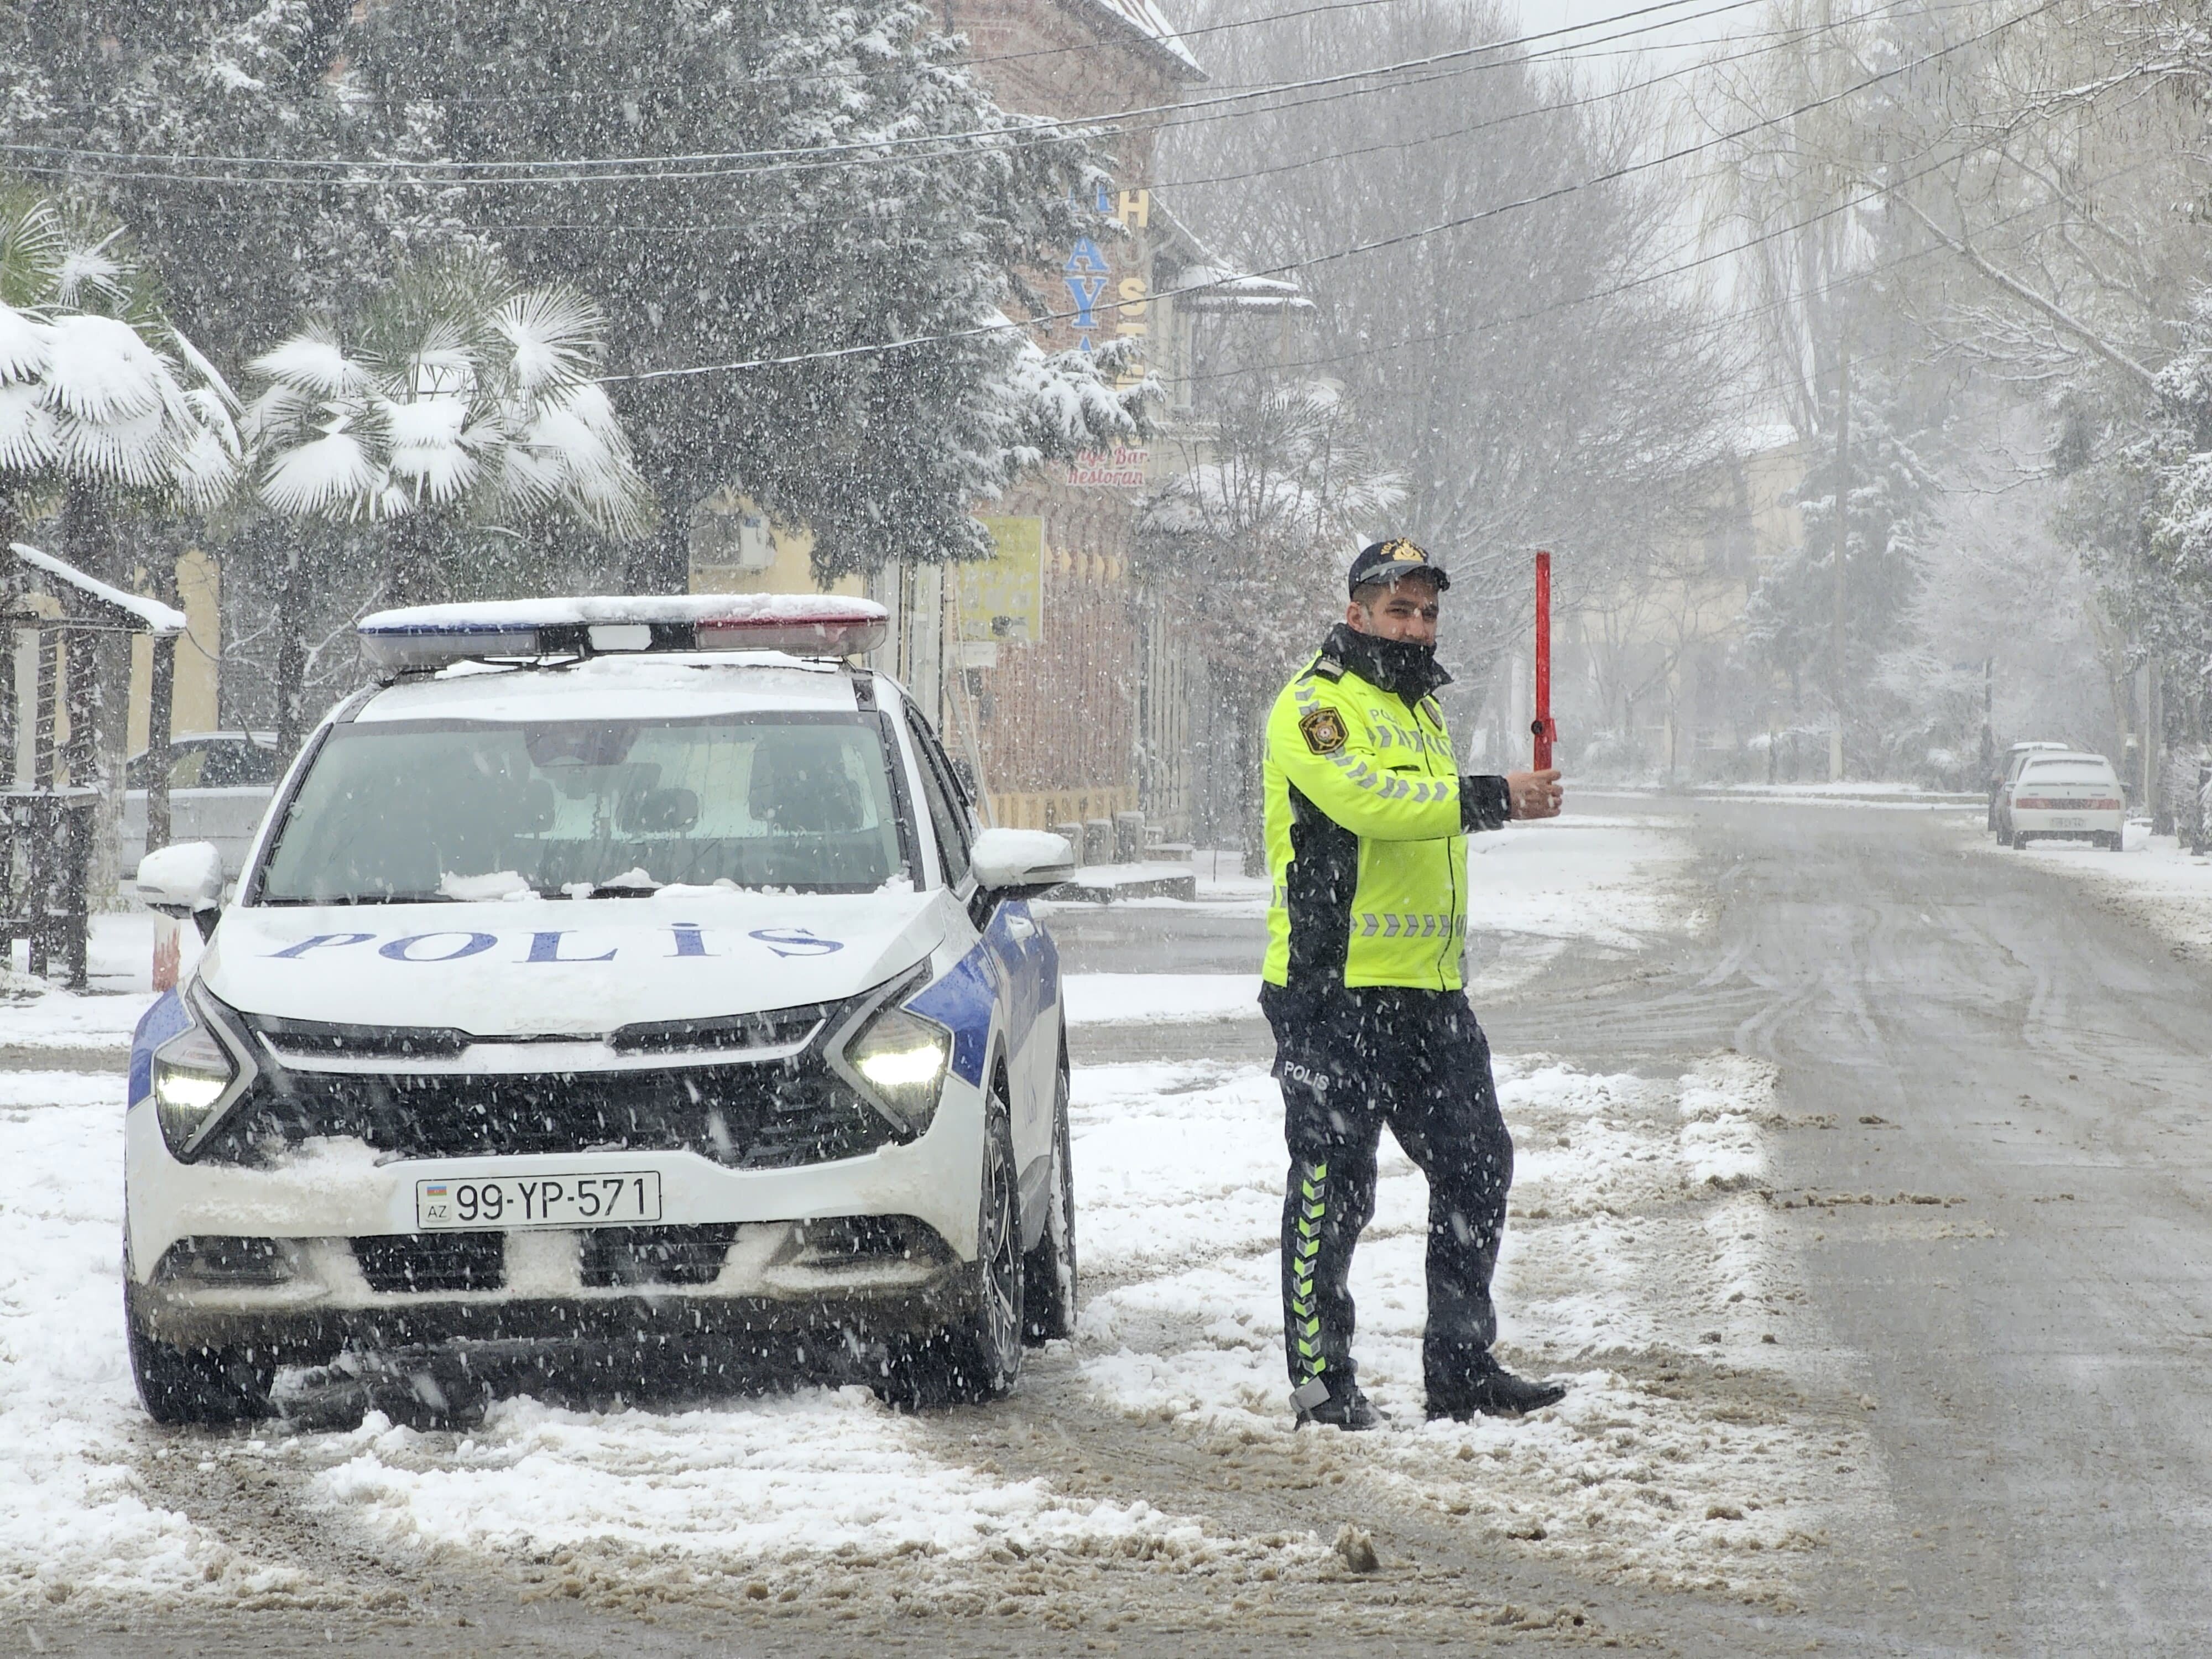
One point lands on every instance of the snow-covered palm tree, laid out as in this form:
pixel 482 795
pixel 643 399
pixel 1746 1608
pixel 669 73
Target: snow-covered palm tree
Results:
pixel 101 399
pixel 104 405
pixel 461 399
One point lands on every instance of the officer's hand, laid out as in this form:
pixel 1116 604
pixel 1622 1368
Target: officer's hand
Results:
pixel 1535 794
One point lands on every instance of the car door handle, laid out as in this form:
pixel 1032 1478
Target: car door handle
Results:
pixel 1020 927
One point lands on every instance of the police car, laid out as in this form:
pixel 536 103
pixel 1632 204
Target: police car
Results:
pixel 618 977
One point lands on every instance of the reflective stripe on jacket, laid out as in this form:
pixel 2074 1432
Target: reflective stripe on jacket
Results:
pixel 1366 835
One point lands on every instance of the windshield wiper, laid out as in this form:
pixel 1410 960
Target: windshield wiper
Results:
pixel 336 899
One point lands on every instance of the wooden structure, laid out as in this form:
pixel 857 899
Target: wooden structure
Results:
pixel 52 618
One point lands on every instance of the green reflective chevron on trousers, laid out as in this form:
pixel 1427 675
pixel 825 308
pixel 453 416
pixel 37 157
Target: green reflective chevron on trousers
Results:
pixel 1306 1321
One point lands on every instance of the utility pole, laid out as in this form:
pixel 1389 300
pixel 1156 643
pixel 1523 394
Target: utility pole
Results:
pixel 1842 541
pixel 1989 728
pixel 2161 821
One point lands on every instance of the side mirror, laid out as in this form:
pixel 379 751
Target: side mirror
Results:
pixel 1020 863
pixel 184 880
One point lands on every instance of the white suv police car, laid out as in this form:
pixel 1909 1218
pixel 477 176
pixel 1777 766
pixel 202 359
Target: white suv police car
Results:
pixel 622 977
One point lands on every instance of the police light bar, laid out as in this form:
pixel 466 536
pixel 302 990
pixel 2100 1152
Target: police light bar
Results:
pixel 420 638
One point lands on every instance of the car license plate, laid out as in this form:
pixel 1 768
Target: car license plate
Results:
pixel 616 1198
pixel 2067 822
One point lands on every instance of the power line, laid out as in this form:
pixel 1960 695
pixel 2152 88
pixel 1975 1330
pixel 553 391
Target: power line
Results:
pixel 1776 40
pixel 718 164
pixel 1713 325
pixel 1611 176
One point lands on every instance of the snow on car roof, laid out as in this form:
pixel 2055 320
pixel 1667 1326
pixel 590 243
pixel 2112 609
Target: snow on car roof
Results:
pixel 577 611
pixel 635 687
pixel 424 638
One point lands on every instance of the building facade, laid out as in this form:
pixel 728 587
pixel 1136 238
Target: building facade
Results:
pixel 1051 669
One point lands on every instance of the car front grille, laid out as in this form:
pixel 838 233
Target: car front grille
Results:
pixel 402 1262
pixel 763 1115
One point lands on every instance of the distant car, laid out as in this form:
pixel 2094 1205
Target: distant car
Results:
pixel 2068 796
pixel 213 760
pixel 619 977
pixel 2000 786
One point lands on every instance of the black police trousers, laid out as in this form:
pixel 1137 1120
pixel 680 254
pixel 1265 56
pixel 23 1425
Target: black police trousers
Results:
pixel 1351 1060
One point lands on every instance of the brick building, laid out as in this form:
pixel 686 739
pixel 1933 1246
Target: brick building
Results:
pixel 1052 668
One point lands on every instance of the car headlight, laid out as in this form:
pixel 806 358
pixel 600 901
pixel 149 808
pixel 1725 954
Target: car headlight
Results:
pixel 901 1058
pixel 196 1077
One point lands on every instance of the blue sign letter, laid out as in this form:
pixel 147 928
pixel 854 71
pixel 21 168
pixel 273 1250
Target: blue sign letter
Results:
pixel 546 947
pixel 471 945
pixel 304 945
pixel 795 941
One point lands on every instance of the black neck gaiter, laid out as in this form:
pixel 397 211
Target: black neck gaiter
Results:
pixel 1400 667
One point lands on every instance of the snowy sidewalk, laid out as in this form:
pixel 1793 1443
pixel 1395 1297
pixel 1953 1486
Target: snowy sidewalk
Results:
pixel 2155 881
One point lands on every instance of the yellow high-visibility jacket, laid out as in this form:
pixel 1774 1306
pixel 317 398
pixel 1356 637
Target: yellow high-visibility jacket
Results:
pixel 1367 818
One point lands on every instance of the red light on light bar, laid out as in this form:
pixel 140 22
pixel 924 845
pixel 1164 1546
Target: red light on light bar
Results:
pixel 852 634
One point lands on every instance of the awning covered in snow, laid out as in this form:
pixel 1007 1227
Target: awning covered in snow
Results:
pixel 112 604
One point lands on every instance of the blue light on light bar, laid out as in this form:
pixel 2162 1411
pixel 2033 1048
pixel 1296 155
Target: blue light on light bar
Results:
pixel 419 638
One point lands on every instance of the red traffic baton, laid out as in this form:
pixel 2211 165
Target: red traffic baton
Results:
pixel 1541 728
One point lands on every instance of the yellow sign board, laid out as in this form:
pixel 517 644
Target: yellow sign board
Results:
pixel 1002 597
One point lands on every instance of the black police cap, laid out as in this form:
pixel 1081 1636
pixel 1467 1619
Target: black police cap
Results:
pixel 1386 561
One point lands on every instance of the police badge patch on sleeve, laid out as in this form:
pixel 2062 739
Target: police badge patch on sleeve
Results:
pixel 1323 730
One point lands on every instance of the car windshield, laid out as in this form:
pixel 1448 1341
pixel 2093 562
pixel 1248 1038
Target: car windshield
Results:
pixel 2068 771
pixel 408 812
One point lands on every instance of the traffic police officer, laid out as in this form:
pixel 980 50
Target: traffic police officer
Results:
pixel 1367 819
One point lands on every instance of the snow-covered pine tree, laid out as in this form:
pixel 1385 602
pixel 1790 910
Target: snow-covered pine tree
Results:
pixel 110 103
pixel 867 211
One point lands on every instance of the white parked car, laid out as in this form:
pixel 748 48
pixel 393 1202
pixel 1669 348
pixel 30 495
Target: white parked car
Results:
pixel 2067 796
pixel 2001 786
pixel 620 976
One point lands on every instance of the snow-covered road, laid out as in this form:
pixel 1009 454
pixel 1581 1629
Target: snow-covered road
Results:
pixel 1638 1247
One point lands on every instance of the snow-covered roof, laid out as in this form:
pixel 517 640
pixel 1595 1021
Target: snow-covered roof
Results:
pixel 1764 437
pixel 1148 21
pixel 158 619
pixel 1205 287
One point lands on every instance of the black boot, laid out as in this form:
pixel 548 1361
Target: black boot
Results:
pixel 1493 1391
pixel 1346 1408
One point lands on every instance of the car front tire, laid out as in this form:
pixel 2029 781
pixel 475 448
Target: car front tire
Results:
pixel 1049 1299
pixel 977 1358
pixel 194 1385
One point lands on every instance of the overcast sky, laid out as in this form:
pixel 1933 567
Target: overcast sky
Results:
pixel 1668 43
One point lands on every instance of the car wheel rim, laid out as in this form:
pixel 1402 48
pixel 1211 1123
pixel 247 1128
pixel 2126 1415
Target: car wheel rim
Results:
pixel 1002 1264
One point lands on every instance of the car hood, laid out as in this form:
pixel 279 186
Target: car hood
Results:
pixel 535 967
